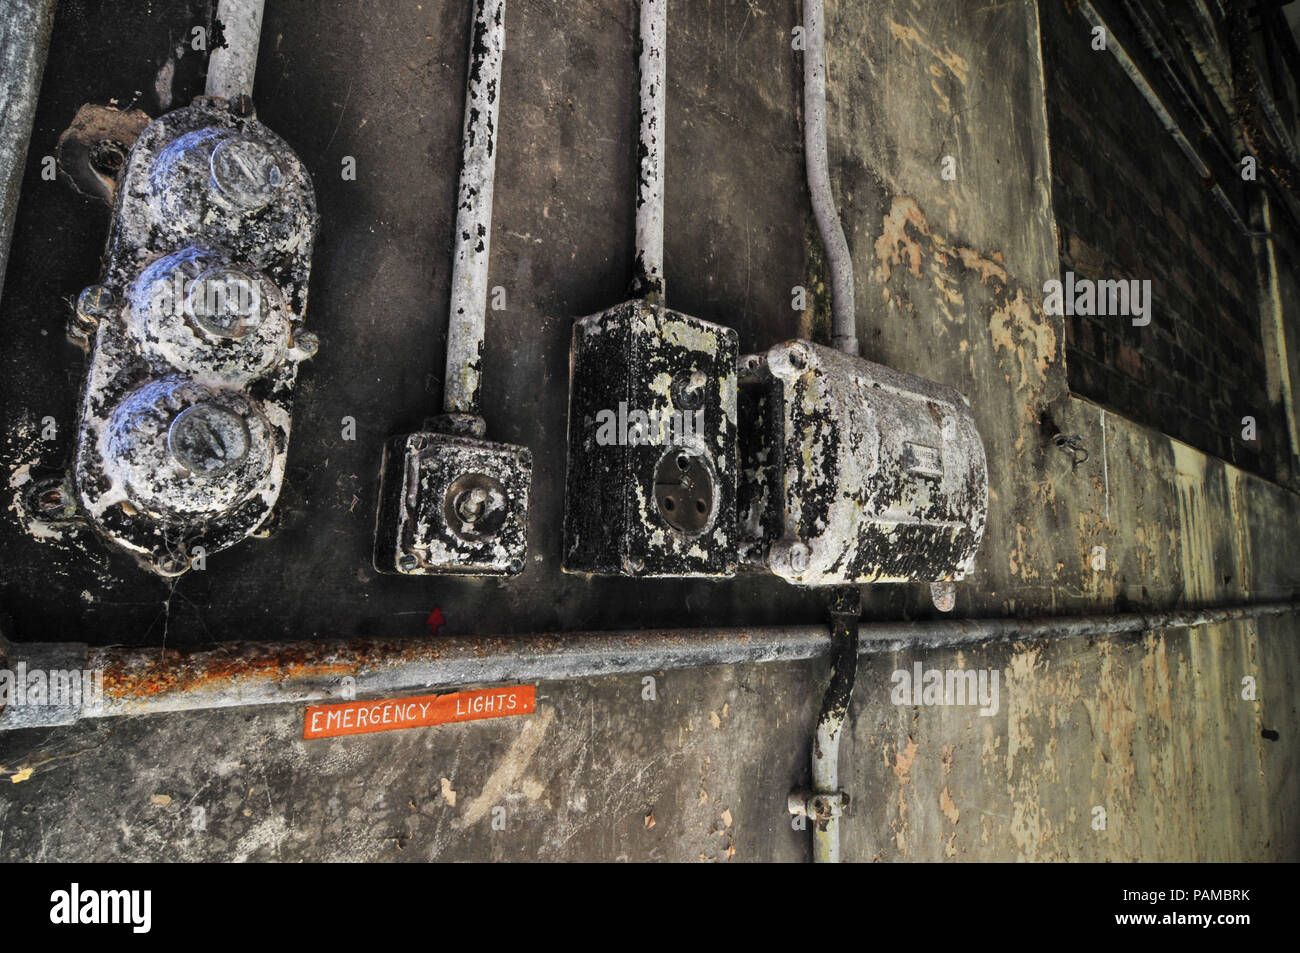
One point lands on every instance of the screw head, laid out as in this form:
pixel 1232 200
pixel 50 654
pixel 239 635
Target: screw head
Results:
pixel 246 173
pixel 208 439
pixel 242 105
pixel 799 556
pixel 94 301
pixel 305 345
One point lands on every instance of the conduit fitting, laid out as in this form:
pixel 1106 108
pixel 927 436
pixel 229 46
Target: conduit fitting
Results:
pixel 819 808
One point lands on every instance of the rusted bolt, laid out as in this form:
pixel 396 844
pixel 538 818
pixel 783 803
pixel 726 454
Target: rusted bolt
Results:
pixel 208 439
pixel 242 106
pixel 688 389
pixel 107 156
pixel 943 595
pixel 304 346
pixel 246 173
pixel 94 302
pixel 49 500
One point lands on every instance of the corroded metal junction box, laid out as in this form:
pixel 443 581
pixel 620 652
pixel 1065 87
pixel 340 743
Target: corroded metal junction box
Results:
pixel 651 480
pixel 452 504
pixel 194 338
pixel 853 473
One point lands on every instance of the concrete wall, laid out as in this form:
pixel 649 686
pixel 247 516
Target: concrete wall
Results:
pixel 1153 729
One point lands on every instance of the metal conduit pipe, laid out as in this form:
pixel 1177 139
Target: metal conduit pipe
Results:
pixel 825 802
pixel 844 334
pixel 652 55
pixel 24 42
pixel 828 802
pixel 236 674
pixel 233 65
pixel 472 243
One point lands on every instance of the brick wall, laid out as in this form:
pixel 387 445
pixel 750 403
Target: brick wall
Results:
pixel 1130 205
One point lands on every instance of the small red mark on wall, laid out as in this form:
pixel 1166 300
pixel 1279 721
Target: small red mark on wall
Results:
pixel 435 620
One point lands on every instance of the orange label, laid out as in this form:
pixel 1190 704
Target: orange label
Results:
pixel 362 718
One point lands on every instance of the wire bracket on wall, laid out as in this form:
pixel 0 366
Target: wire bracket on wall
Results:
pixel 1072 445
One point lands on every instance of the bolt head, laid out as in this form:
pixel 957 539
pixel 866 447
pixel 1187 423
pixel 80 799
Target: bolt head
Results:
pixel 95 301
pixel 944 596
pixel 246 173
pixel 305 345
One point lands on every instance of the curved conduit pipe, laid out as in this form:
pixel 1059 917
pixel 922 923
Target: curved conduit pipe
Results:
pixel 844 334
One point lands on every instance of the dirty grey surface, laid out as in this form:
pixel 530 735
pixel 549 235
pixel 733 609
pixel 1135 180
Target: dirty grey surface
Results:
pixel 1152 729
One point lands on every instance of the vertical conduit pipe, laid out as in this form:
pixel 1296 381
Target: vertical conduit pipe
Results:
pixel 24 41
pixel 233 65
pixel 843 318
pixel 648 281
pixel 845 605
pixel 846 609
pixel 471 245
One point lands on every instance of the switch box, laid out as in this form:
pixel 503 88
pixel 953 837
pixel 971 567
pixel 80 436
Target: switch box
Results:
pixel 452 504
pixel 852 472
pixel 651 479
pixel 194 337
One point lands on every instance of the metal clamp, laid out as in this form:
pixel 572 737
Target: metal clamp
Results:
pixel 821 807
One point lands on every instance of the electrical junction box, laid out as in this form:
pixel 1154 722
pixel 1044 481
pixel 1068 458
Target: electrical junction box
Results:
pixel 853 473
pixel 452 504
pixel 651 480
pixel 194 337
